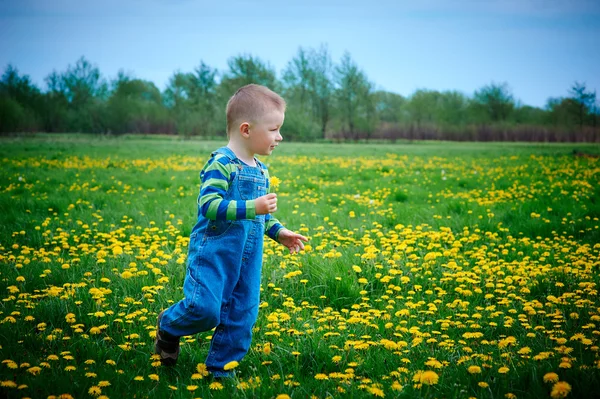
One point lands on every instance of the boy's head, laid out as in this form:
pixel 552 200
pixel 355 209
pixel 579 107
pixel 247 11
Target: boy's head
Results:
pixel 250 104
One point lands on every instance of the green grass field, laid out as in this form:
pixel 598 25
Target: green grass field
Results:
pixel 435 270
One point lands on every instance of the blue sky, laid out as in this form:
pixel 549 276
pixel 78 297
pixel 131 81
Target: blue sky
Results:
pixel 539 47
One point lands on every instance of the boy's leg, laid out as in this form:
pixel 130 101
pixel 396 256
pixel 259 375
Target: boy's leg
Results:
pixel 166 345
pixel 197 312
pixel 233 335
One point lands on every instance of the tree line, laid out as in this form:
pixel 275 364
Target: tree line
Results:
pixel 326 101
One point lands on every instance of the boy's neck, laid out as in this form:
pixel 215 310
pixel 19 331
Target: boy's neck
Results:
pixel 242 153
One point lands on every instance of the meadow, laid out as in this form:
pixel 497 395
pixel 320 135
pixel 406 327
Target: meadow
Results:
pixel 434 270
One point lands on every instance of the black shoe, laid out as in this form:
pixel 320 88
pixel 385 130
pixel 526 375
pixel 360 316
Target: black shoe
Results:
pixel 166 345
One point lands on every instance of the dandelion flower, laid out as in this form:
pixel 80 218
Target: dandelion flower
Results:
pixel 216 386
pixel 426 377
pixel 231 365
pixel 202 370
pixel 551 377
pixel 94 390
pixel 282 396
pixel 474 369
pixel 154 377
pixel 192 387
pixel 560 390
pixel 103 384
pixel 503 370
pixel 9 384
pixel 321 376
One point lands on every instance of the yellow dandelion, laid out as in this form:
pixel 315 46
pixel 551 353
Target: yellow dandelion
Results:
pixel 9 384
pixel 192 387
pixel 396 386
pixel 153 377
pixel 94 390
pixel 560 390
pixel 138 378
pixel 426 377
pixel 202 370
pixel 483 384
pixel 321 376
pixel 503 370
pixel 551 377
pixel 103 384
pixel 282 396
pixel 231 365
pixel 474 369
pixel 216 386
pixel 34 370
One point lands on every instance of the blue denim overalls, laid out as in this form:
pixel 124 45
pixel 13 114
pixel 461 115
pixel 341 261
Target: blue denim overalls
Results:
pixel 222 283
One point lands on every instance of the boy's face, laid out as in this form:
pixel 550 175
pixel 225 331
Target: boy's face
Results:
pixel 264 134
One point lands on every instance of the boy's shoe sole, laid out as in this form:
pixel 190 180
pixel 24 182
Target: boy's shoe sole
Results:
pixel 168 350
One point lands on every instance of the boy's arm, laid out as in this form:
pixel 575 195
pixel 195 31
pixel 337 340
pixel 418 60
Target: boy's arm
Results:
pixel 272 225
pixel 215 179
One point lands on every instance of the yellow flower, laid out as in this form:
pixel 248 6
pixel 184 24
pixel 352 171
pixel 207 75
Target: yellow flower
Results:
pixel 474 369
pixel 321 376
pixel 153 377
pixel 274 181
pixel 426 377
pixel 138 378
pixel 34 370
pixel 396 386
pixel 503 370
pixel 550 377
pixel 192 387
pixel 560 390
pixel 202 370
pixel 217 386
pixel 282 396
pixel 103 384
pixel 9 384
pixel 483 384
pixel 94 390
pixel 231 365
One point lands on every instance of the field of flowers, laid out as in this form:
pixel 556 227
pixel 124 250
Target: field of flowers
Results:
pixel 434 270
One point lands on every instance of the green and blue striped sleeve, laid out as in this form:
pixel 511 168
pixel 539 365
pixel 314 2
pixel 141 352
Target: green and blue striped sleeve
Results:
pixel 272 225
pixel 215 177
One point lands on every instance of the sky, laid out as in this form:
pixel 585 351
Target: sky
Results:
pixel 540 48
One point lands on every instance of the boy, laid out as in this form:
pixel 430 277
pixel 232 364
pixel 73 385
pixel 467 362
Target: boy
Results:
pixel 222 283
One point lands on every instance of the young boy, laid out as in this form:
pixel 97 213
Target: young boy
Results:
pixel 222 282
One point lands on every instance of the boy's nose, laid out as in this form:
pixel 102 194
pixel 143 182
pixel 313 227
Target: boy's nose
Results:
pixel 279 137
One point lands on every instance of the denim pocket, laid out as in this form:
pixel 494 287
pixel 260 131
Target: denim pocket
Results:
pixel 250 186
pixel 217 228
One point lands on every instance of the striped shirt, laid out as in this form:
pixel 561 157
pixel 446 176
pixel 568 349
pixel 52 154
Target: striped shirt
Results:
pixel 216 176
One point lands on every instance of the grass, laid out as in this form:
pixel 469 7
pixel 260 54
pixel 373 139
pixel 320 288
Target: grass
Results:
pixel 424 257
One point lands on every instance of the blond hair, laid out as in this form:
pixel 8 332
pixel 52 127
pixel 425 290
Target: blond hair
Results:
pixel 251 102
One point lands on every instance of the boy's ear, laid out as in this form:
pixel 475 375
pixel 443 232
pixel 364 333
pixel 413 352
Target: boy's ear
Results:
pixel 245 129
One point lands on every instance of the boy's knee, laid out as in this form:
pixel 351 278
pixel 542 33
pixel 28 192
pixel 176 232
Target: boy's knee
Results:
pixel 206 312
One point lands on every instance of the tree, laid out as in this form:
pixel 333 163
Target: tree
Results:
pixel 422 106
pixel 308 91
pixel 354 98
pixel 193 99
pixel 584 100
pixel 496 101
pixel 246 69
pixel 20 102
pixel 84 91
pixel 389 106
pixel 135 106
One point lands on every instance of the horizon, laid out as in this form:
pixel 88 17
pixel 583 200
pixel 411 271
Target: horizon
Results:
pixel 539 48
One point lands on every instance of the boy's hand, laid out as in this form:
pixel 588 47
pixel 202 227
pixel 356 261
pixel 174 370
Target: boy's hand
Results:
pixel 293 241
pixel 266 204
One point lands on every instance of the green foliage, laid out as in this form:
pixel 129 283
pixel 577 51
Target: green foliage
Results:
pixel 326 100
